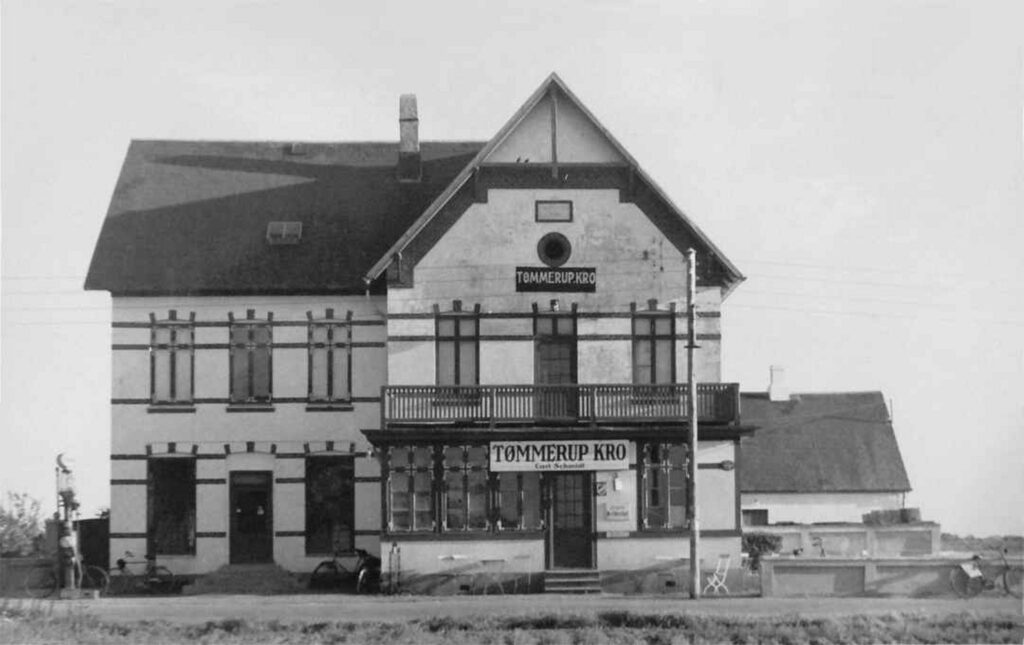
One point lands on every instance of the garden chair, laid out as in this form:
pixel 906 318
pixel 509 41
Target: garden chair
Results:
pixel 716 581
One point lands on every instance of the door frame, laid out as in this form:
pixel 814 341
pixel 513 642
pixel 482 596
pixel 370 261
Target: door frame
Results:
pixel 548 484
pixel 233 490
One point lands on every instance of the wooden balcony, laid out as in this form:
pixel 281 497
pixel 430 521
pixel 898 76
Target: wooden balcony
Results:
pixel 717 403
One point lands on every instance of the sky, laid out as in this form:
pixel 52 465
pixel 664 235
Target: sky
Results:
pixel 861 162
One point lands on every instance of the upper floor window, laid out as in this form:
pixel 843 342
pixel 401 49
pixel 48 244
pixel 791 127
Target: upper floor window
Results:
pixel 330 372
pixel 663 481
pixel 251 360
pixel 458 347
pixel 654 347
pixel 171 350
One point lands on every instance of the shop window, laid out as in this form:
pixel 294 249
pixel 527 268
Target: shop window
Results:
pixel 458 347
pixel 663 476
pixel 171 506
pixel 410 489
pixel 251 360
pixel 518 501
pixel 465 488
pixel 330 344
pixel 171 353
pixel 654 348
pixel 330 504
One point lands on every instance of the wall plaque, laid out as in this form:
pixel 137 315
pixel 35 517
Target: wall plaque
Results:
pixel 562 279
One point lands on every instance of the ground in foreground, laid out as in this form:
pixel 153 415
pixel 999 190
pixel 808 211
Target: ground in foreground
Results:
pixel 247 619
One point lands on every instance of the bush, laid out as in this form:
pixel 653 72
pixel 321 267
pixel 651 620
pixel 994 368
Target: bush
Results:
pixel 19 526
pixel 757 544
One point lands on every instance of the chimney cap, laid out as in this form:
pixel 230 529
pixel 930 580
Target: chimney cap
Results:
pixel 407 107
pixel 777 388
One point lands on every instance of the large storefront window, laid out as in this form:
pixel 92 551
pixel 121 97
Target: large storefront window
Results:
pixel 172 505
pixel 330 504
pixel 465 488
pixel 411 489
pixel 663 475
pixel 454 483
pixel 518 501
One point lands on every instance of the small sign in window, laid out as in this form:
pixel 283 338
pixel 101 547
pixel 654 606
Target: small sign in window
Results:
pixel 554 211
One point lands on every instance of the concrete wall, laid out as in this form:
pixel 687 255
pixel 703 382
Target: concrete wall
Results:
pixel 808 508
pixel 281 437
pixel 797 577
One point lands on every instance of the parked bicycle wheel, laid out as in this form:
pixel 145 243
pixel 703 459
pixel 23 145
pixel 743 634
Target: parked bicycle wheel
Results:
pixel 963 584
pixel 325 576
pixel 1012 581
pixel 160 580
pixel 95 579
pixel 41 583
pixel 120 582
pixel 369 581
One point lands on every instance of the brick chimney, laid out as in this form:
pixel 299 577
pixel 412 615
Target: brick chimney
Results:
pixel 409 164
pixel 777 389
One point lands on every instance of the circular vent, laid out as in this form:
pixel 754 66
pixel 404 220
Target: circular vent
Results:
pixel 554 249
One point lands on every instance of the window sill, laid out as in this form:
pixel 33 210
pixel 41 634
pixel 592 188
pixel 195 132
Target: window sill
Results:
pixel 325 406
pixel 250 407
pixel 171 408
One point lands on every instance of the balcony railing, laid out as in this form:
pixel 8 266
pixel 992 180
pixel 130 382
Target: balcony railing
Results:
pixel 490 404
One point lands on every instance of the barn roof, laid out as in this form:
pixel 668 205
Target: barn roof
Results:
pixel 818 443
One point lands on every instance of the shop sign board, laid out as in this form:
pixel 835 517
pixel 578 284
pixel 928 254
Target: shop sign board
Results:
pixel 581 454
pixel 562 279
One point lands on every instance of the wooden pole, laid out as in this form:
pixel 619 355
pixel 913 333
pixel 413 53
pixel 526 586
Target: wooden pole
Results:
pixel 691 404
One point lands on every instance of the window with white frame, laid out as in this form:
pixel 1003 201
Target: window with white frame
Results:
pixel 171 353
pixel 410 489
pixel 663 484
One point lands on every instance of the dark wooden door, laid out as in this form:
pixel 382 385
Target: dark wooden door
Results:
pixel 252 517
pixel 571 541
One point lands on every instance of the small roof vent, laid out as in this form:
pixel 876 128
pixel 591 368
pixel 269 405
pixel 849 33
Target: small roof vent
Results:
pixel 284 233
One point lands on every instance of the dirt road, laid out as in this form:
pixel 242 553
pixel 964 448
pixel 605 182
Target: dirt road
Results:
pixel 358 609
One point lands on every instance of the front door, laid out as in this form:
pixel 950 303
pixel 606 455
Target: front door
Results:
pixel 555 365
pixel 252 517
pixel 571 538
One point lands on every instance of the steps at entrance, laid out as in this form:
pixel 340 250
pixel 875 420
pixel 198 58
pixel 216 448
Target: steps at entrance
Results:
pixel 580 581
pixel 246 579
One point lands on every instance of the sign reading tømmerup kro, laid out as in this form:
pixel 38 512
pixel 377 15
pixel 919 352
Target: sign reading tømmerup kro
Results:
pixel 577 279
pixel 584 454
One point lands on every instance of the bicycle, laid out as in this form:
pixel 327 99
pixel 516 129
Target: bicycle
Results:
pixel 43 582
pixel 153 578
pixel 968 579
pixel 332 574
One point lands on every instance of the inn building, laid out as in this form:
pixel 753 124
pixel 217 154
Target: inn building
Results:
pixel 464 356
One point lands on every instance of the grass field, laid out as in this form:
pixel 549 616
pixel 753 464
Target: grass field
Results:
pixel 50 622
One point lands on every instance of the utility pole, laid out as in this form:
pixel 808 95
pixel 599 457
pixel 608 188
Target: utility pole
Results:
pixel 691 404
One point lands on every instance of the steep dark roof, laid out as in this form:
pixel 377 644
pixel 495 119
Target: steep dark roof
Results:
pixel 190 217
pixel 818 443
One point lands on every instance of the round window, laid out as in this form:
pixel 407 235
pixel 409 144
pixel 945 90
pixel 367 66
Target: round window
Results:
pixel 554 249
